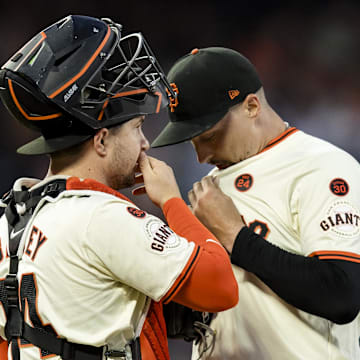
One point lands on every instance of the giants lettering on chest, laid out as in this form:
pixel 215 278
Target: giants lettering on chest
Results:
pixel 36 240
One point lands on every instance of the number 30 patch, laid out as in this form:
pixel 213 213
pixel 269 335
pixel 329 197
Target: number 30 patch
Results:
pixel 339 187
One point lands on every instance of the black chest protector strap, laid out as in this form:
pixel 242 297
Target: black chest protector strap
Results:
pixel 20 207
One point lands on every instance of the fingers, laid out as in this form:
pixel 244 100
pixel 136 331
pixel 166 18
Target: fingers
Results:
pixel 216 181
pixel 192 198
pixel 154 162
pixel 144 162
pixel 198 187
pixel 139 191
pixel 207 182
pixel 210 181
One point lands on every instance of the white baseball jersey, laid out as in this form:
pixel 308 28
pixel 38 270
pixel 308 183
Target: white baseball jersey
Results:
pixel 303 195
pixel 91 263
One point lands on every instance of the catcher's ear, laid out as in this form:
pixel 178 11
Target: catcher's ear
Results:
pixel 101 142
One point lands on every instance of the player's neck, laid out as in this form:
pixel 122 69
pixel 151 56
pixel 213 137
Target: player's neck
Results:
pixel 272 128
pixel 81 170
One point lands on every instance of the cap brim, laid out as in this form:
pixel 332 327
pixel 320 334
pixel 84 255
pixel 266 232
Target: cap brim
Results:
pixel 42 146
pixel 179 131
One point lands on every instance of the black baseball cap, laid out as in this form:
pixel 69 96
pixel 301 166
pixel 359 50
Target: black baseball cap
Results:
pixel 209 81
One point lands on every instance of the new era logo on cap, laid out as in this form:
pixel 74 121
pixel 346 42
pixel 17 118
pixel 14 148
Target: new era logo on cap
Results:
pixel 233 94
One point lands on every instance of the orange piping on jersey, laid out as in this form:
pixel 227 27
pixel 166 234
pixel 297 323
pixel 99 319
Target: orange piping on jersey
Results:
pixel 339 255
pixel 279 139
pixel 329 257
pixel 43 37
pixel 83 70
pixel 45 117
pixel 345 253
pixel 211 285
pixel 209 273
pixel 183 276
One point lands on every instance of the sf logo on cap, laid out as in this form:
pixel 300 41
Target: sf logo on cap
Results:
pixel 174 102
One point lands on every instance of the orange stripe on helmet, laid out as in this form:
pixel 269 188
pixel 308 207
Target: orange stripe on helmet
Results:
pixel 128 93
pixel 43 37
pixel 83 70
pixel 45 117
pixel 131 92
pixel 159 101
pixel 122 94
pixel 103 109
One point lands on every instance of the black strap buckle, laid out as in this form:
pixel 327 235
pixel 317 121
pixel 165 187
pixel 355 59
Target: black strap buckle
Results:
pixel 133 349
pixel 15 325
pixel 115 354
pixel 12 285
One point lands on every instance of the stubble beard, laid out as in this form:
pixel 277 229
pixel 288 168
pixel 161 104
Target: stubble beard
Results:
pixel 121 181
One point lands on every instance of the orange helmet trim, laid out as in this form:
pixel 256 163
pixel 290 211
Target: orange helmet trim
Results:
pixel 83 70
pixel 46 117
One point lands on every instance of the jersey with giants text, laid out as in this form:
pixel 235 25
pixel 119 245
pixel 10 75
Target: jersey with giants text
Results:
pixel 91 263
pixel 302 194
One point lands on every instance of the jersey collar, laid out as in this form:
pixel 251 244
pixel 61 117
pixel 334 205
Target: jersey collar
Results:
pixel 75 183
pixel 279 139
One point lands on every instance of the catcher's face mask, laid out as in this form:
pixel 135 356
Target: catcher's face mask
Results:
pixel 80 75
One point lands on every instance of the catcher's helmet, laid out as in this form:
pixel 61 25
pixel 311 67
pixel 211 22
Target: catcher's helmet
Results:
pixel 77 76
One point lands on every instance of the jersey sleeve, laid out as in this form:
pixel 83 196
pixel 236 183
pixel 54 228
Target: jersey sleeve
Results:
pixel 327 200
pixel 207 283
pixel 137 248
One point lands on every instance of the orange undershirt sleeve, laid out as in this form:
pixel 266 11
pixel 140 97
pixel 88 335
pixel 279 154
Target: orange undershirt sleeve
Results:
pixel 207 282
pixel 3 349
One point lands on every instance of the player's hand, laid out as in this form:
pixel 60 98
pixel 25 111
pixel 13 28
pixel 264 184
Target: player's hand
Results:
pixel 216 211
pixel 158 178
